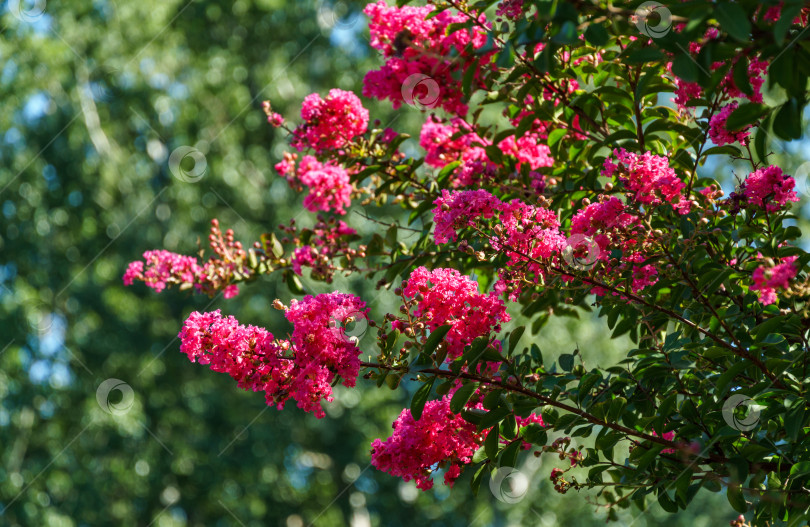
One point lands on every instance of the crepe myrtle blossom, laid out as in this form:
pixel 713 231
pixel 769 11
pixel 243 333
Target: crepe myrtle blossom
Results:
pixel 459 209
pixel 445 296
pixel 720 134
pixel 770 279
pixel 769 188
pixel 329 186
pixel 416 44
pixel 303 368
pixel 160 269
pixel 326 241
pixel 330 123
pixel 452 141
pixel 649 177
pixel 439 439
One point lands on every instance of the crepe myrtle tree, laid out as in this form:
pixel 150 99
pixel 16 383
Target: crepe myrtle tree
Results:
pixel 579 191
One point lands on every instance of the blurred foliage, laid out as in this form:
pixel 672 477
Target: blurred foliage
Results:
pixel 96 96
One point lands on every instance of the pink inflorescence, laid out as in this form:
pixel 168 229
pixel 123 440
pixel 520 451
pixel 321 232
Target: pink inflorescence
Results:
pixel 305 256
pixel 163 267
pixel 455 140
pixel 769 188
pixel 528 149
pixel 329 186
pixel 330 123
pixel 415 44
pixel 319 352
pixel 510 9
pixel 529 233
pixel 448 297
pixel 530 236
pixel 606 222
pixel 767 280
pixel 686 91
pixel 249 354
pixel 439 437
pixel 648 176
pixel 463 208
pixel 719 134
pixel 322 350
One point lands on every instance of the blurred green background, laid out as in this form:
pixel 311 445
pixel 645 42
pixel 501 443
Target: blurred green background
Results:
pixel 96 95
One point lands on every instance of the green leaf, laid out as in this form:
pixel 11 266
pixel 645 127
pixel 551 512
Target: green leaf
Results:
pixel 667 503
pixel 494 417
pixel 420 398
pixel 728 375
pixel 685 67
pixel 514 338
pixel 800 469
pixel 789 12
pixel 740 76
pixel 733 20
pixel 535 434
pixel 461 397
pixel 294 283
pixel 736 499
pixel 566 361
pixel 475 482
pixel 794 422
pixel 596 34
pixel 608 441
pixel 391 236
pixel 746 114
pixel 491 443
pixel 788 122
pixel 510 454
pixel 587 382
pixel 435 338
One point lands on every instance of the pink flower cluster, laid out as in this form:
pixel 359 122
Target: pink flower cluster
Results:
pixel 329 185
pixel 163 267
pixel 448 297
pixel 528 149
pixel 769 188
pixel 228 264
pixel 320 350
pixel 527 234
pixel 275 119
pixel 455 141
pixel 767 280
pixel 719 133
pixel 305 256
pixel 686 91
pixel 439 438
pixel 415 44
pixel 510 9
pixel 249 354
pixel 648 176
pixel 330 123
pixel 608 224
pixel 459 209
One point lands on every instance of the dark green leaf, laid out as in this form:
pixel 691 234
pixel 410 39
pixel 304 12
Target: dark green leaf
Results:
pixel 420 398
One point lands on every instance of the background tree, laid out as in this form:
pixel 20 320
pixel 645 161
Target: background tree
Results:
pixel 102 94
